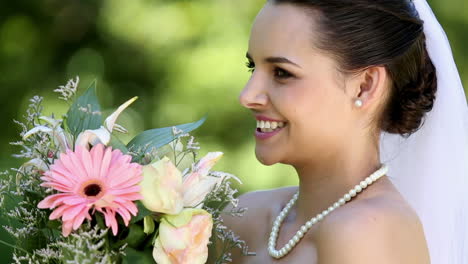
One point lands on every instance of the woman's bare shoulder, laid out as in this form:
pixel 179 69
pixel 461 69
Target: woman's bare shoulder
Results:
pixel 258 201
pixel 252 226
pixel 373 230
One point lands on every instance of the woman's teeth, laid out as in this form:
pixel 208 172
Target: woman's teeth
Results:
pixel 269 126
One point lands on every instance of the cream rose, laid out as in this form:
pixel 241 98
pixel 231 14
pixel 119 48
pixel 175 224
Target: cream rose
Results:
pixel 183 238
pixel 161 187
pixel 198 184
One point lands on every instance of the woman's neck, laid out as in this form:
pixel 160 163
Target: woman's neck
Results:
pixel 321 184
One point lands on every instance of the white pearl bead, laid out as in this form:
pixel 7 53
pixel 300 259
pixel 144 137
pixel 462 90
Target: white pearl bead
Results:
pixel 304 229
pixel 291 243
pixel 363 184
pixel 296 239
pixel 287 247
pixel 300 233
pixel 342 201
pixel 283 215
pixel 347 197
pixel 352 192
pixel 369 181
pixel 336 205
pixel 319 217
pixel 358 103
pixel 358 189
pixel 308 224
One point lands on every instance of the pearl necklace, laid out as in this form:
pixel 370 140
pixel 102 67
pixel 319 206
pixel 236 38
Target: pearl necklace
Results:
pixel 298 236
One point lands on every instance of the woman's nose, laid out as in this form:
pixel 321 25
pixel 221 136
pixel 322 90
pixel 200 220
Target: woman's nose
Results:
pixel 253 96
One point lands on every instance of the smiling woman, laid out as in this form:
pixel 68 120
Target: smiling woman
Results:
pixel 328 78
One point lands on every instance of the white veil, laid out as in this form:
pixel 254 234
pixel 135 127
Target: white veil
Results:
pixel 430 168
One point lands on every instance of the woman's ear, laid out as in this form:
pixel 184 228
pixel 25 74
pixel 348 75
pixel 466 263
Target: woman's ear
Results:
pixel 370 86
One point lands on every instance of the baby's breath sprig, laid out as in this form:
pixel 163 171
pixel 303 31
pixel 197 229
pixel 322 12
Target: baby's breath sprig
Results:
pixel 68 91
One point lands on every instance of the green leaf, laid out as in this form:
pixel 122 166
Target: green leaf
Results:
pixel 142 212
pixel 117 144
pixel 85 112
pixel 158 137
pixel 35 240
pixel 100 221
pixel 135 236
pixel 54 224
pixel 136 256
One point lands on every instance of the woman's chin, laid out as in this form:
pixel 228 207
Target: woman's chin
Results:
pixel 266 157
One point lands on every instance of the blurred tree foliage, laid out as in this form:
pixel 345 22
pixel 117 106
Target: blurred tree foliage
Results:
pixel 183 58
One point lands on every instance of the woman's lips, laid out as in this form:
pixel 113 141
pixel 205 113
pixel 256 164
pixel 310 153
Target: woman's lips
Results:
pixel 265 135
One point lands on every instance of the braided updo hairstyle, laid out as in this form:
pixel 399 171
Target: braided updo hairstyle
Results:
pixel 389 33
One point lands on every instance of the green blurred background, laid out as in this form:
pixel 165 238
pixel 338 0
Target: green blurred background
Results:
pixel 184 59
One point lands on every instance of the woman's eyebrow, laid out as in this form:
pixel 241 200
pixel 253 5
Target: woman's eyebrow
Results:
pixel 280 60
pixel 275 60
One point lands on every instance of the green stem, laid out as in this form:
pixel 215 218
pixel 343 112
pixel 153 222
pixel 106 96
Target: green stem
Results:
pixel 173 148
pixel 13 246
pixel 181 159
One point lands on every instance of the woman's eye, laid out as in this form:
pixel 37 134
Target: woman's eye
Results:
pixel 250 65
pixel 282 74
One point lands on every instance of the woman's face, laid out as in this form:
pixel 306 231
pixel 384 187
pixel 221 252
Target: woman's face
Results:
pixel 297 85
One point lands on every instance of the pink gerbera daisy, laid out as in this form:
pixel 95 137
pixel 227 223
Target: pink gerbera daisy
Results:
pixel 101 179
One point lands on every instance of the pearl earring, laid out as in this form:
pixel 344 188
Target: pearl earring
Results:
pixel 358 103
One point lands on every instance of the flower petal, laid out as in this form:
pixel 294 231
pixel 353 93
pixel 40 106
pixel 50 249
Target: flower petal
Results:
pixel 103 173
pixel 67 228
pixel 96 155
pixel 93 137
pixel 80 217
pixel 49 201
pixel 43 129
pixel 110 121
pixel 201 170
pixel 109 216
pixel 57 213
pixel 72 211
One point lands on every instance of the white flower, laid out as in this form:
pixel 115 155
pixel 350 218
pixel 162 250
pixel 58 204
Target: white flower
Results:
pixel 54 130
pixel 103 134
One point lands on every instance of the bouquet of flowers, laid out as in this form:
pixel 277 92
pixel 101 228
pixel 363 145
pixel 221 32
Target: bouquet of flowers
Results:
pixel 84 196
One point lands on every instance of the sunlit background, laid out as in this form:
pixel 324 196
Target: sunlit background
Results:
pixel 183 58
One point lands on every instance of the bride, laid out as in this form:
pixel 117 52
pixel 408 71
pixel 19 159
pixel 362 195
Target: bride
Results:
pixel 345 92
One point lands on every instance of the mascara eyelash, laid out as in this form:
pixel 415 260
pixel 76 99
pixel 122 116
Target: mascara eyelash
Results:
pixel 250 65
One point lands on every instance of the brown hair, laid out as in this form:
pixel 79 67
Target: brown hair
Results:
pixel 365 33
